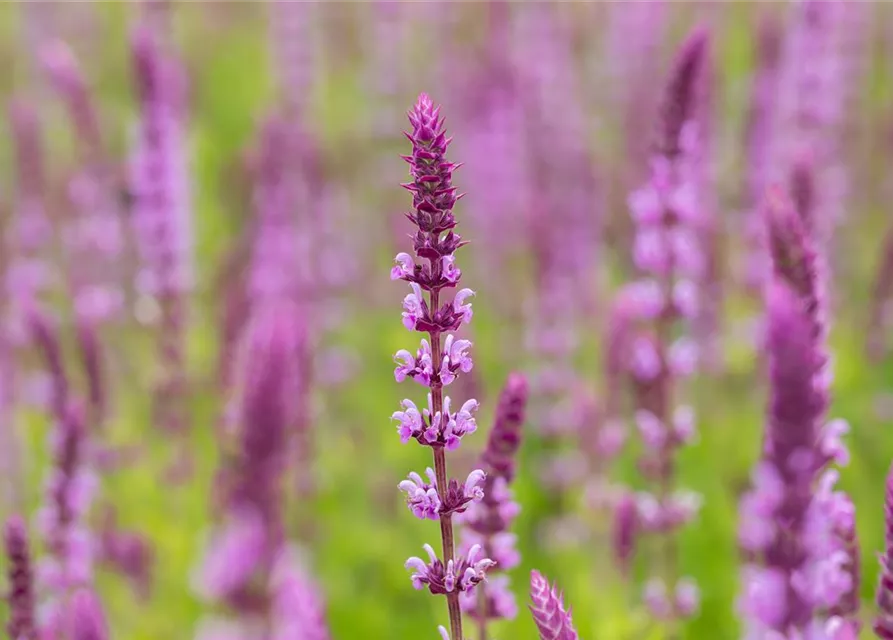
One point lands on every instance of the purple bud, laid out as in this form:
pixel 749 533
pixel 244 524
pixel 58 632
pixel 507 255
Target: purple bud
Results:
pixel 21 588
pixel 625 533
pixel 547 607
pixel 680 95
pixel 505 436
pixel 46 338
pixel 91 357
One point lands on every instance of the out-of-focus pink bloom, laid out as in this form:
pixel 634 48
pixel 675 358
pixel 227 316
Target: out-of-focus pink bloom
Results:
pixel 297 609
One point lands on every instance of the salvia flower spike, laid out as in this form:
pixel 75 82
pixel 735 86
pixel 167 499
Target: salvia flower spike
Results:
pixel 487 523
pixel 547 606
pixel 668 250
pixel 161 212
pixel 793 519
pixel 438 361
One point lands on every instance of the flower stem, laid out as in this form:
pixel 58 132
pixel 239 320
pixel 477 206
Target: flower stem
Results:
pixel 482 614
pixel 440 472
pixel 446 531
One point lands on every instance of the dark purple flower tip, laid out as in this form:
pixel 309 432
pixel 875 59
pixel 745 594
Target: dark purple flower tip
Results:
pixel 147 70
pixel 87 617
pixel 802 189
pixel 626 527
pixel 45 337
pixel 681 93
pixel 273 342
pixel 797 403
pixel 433 194
pixel 91 356
pixel 547 607
pixel 505 436
pixel 21 581
pixel 791 249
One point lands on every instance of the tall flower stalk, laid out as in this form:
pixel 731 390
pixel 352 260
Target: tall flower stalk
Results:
pixel 437 363
pixel 248 565
pixel 93 238
pixel 657 355
pixel 28 272
pixel 487 522
pixel 797 532
pixel 161 213
pixel 68 564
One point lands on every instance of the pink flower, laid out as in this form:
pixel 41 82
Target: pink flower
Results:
pixel 404 268
pixel 413 311
pixel 450 271
pixel 460 307
pixel 421 496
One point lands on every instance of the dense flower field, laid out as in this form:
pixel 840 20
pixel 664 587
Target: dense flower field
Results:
pixel 486 320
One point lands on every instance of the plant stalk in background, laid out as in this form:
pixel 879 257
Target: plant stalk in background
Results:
pixel 796 530
pixel 487 522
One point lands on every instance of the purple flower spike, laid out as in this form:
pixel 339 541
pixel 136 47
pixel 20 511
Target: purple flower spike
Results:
pixel 87 617
pixel 28 273
pixel 68 80
pixel 266 406
pixel 883 624
pixel 794 519
pixel 161 211
pixel 440 359
pixel 658 333
pixel 93 234
pixel 21 582
pixel 242 558
pixel 505 436
pixel 552 621
pixel 680 98
pixel 487 523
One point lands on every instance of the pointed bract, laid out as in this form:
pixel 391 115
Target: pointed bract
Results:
pixel 547 607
